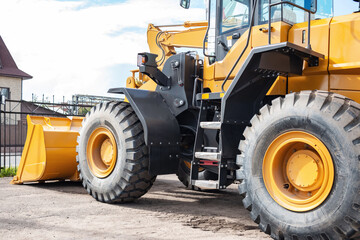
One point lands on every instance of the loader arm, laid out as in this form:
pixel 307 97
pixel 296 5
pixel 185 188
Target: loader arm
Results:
pixel 164 42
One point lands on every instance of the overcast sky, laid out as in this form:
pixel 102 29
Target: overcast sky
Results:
pixel 86 46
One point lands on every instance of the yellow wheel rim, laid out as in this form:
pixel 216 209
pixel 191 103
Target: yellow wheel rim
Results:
pixel 187 164
pixel 101 152
pixel 298 171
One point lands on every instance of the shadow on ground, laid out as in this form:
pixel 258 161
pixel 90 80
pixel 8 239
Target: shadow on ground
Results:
pixel 168 198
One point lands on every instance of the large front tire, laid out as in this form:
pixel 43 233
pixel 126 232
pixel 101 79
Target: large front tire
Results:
pixel 112 155
pixel 282 200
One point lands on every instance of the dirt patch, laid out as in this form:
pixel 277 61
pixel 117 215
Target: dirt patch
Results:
pixel 218 225
pixel 63 210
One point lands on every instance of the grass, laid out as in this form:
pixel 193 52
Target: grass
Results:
pixel 8 172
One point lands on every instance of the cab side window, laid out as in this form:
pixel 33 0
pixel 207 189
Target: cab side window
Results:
pixel 264 12
pixel 235 14
pixel 291 14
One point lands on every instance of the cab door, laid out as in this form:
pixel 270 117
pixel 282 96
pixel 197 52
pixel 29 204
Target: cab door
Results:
pixel 233 20
pixel 281 17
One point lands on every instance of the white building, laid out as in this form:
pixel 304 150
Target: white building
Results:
pixel 11 77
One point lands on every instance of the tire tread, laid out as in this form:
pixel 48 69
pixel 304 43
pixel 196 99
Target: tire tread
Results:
pixel 135 180
pixel 349 227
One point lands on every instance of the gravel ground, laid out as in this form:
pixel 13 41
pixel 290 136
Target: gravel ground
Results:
pixel 63 210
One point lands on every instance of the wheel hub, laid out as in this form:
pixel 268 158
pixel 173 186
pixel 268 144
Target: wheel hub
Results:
pixel 302 170
pixel 101 152
pixel 107 151
pixel 298 171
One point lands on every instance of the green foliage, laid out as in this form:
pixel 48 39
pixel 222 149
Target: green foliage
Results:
pixel 8 172
pixel 84 110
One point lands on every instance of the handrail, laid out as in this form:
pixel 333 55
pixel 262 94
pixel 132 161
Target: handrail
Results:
pixel 295 5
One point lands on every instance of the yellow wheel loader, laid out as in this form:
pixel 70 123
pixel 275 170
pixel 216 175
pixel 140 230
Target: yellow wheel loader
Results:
pixel 270 102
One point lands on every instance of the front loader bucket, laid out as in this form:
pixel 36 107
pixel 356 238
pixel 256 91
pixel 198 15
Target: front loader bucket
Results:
pixel 50 150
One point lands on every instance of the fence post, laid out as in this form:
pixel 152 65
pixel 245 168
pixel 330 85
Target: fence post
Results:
pixel 13 132
pixel 1 131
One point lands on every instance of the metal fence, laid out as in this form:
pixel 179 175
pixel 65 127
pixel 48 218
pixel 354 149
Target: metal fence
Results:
pixel 13 127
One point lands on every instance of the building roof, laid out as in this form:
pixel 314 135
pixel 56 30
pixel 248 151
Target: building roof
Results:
pixel 7 64
pixel 29 107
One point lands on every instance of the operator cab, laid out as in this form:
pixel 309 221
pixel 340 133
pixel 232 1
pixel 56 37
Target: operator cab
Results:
pixel 230 19
pixel 234 18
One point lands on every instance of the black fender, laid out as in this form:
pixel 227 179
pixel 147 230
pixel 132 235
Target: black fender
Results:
pixel 161 128
pixel 246 93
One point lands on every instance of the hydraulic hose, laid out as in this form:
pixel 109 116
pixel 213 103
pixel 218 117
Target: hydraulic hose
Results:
pixel 161 60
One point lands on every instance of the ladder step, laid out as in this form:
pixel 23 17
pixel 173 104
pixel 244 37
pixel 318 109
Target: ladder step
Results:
pixel 215 156
pixel 211 149
pixel 208 163
pixel 205 184
pixel 210 125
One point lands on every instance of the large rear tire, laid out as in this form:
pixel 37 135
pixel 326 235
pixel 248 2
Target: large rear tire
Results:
pixel 112 155
pixel 288 195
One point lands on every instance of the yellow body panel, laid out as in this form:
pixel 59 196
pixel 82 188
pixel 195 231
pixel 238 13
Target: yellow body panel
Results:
pixel 344 65
pixel 279 33
pixel 149 85
pixel 338 39
pixel 354 95
pixel 50 150
pixel 279 87
pixel 313 77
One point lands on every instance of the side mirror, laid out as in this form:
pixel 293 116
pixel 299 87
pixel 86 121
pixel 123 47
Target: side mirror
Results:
pixel 185 3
